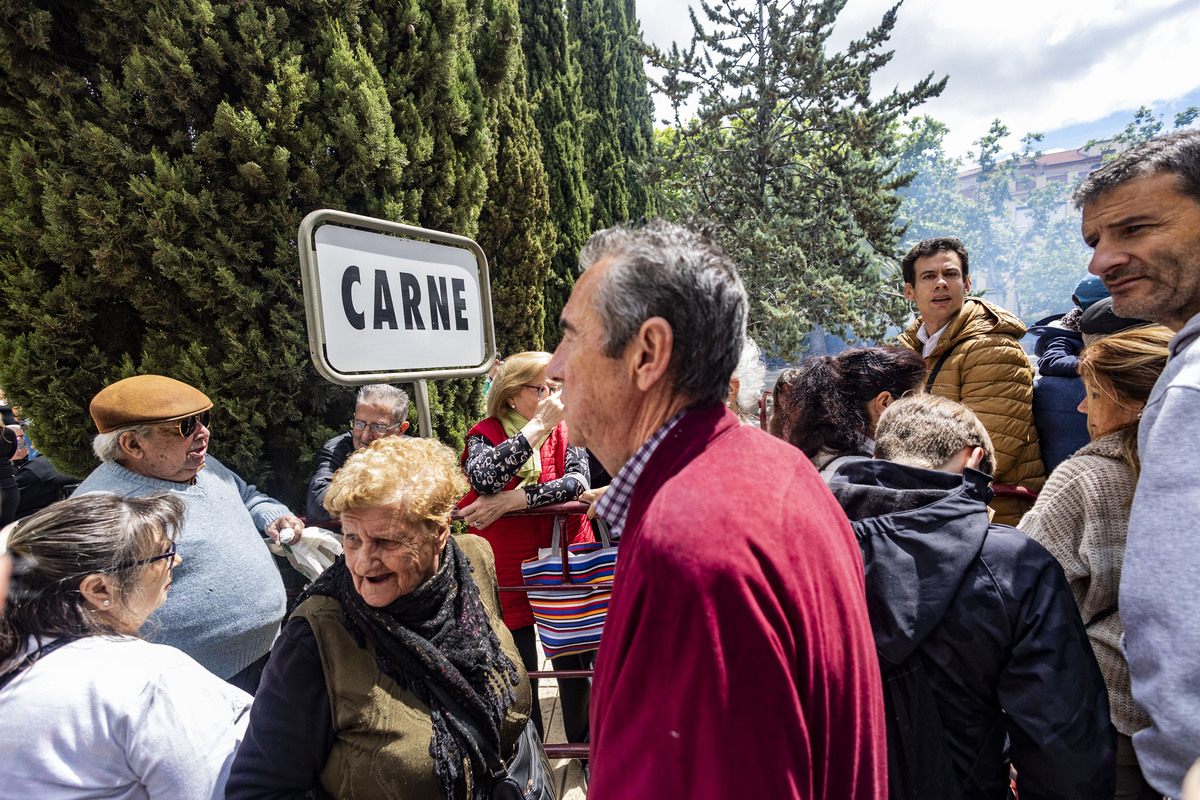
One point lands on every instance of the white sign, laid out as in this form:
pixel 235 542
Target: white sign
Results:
pixel 389 304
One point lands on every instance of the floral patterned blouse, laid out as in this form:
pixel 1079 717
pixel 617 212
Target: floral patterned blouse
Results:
pixel 490 468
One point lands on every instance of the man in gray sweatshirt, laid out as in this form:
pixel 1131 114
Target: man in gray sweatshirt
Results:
pixel 227 598
pixel 1141 216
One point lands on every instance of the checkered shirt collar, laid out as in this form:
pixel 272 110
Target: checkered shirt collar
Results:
pixel 613 507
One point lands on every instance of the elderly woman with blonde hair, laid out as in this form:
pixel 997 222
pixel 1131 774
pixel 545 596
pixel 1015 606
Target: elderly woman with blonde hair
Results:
pixel 365 688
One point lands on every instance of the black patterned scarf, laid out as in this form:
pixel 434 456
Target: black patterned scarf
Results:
pixel 438 632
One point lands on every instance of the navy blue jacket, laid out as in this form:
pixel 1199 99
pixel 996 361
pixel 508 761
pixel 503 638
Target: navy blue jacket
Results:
pixel 1057 393
pixel 989 612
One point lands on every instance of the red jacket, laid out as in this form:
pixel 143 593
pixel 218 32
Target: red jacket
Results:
pixel 737 658
pixel 515 539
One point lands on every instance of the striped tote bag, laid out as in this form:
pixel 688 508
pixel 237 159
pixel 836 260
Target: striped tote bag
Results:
pixel 569 620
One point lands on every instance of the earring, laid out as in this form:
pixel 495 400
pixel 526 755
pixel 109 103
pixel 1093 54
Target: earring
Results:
pixel 106 603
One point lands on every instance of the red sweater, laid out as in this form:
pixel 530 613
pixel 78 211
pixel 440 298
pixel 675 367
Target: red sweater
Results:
pixel 515 539
pixel 737 658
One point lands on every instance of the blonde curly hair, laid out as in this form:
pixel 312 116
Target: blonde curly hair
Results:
pixel 421 477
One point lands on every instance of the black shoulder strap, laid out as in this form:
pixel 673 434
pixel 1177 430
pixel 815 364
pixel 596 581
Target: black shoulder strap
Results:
pixel 1101 615
pixel 933 373
pixel 34 657
pixel 495 764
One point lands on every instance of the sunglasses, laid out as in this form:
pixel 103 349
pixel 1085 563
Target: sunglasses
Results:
pixel 187 425
pixel 147 561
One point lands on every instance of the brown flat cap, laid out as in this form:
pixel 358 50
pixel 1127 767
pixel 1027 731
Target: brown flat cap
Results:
pixel 144 399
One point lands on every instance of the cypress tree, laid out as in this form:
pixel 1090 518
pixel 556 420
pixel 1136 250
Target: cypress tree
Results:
pixel 552 79
pixel 589 25
pixel 514 229
pixel 158 158
pixel 635 109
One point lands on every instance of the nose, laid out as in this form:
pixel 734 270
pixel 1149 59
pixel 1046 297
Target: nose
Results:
pixel 1082 408
pixel 201 430
pixel 554 368
pixel 1105 257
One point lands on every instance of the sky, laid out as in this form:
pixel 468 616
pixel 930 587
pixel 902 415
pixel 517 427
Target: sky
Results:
pixel 1071 69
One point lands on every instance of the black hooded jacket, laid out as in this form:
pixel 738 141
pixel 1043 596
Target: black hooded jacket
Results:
pixel 991 618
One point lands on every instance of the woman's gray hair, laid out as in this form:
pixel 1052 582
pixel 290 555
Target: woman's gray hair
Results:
pixel 107 446
pixel 682 275
pixel 751 373
pixel 385 395
pixel 55 549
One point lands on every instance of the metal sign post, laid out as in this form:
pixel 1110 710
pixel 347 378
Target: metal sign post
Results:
pixel 389 303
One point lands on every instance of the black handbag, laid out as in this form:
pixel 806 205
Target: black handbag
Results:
pixel 525 776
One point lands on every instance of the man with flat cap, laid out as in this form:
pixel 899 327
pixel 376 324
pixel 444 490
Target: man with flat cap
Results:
pixel 227 597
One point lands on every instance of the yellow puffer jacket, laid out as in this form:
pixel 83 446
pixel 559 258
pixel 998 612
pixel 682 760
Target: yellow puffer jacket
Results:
pixel 988 372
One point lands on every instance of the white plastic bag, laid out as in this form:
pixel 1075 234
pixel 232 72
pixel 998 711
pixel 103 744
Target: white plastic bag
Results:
pixel 313 553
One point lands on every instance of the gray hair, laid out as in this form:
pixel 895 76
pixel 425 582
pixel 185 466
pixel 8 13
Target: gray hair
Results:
pixel 1175 153
pixel 682 275
pixel 926 430
pixel 385 395
pixel 751 373
pixel 54 549
pixel 107 446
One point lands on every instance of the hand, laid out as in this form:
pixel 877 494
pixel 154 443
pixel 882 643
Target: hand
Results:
pixel 286 522
pixel 488 508
pixel 591 496
pixel 549 413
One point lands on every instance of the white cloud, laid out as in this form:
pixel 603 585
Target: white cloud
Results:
pixel 1038 65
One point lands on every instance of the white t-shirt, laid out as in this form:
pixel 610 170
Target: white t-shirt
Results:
pixel 121 719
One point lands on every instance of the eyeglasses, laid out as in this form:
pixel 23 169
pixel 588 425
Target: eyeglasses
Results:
pixel 542 391
pixel 187 425
pixel 377 428
pixel 170 554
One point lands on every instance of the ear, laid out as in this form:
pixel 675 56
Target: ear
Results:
pixel 99 592
pixel 130 445
pixel 648 354
pixel 966 284
pixel 909 293
pixel 403 427
pixel 881 401
pixel 731 399
pixel 975 458
pixel 443 536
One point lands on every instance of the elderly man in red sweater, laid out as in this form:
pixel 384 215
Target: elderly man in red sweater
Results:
pixel 737 659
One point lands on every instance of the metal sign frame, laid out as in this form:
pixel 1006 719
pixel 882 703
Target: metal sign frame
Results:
pixel 314 311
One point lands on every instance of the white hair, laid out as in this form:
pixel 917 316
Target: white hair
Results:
pixel 107 446
pixel 751 373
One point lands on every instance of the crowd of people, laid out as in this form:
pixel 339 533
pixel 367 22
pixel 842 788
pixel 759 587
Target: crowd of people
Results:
pixel 925 579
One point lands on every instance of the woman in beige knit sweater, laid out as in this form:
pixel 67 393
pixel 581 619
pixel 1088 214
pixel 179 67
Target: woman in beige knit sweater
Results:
pixel 1082 514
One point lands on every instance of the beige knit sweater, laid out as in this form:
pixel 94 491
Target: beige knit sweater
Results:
pixel 1082 517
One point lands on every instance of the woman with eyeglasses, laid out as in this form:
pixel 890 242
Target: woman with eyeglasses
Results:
pixel 829 405
pixel 89 709
pixel 518 457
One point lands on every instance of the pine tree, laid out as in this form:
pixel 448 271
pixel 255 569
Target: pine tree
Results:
pixel 158 158
pixel 553 84
pixel 788 152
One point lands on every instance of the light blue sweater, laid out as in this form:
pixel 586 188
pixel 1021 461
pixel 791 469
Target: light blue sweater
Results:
pixel 226 599
pixel 1160 582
